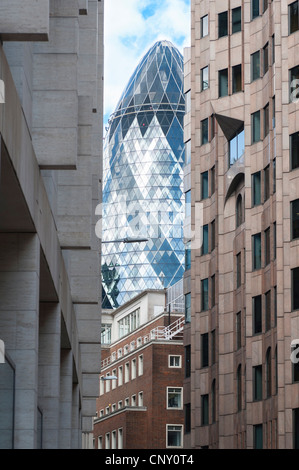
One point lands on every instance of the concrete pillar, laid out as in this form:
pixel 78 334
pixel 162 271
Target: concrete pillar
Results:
pixel 19 312
pixel 49 372
pixel 66 395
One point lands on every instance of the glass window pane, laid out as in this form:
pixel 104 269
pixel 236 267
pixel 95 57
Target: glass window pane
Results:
pixel 188 307
pixel 205 78
pixel 188 152
pixel 257 251
pixel 205 240
pixel 256 188
pixel 237 78
pixel 266 58
pixel 294 84
pixel 293 17
pixel 258 383
pixel 236 20
pixel 258 436
pixel 223 82
pixel 256 127
pixel 205 131
pixel 295 289
pixel 294 148
pixel 205 350
pixel 222 24
pixel 204 26
pixel 205 185
pixel 257 314
pixel 205 410
pixel 255 8
pixel 204 294
pixel 188 203
pixel 255 66
pixel 295 219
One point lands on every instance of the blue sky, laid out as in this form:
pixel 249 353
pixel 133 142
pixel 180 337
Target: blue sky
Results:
pixel 131 28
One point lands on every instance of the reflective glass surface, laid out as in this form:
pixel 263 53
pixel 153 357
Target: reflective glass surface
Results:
pixel 143 194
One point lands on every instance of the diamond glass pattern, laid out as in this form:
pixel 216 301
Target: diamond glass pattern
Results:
pixel 143 195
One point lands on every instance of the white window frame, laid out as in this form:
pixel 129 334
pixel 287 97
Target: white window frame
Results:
pixel 140 365
pixel 120 404
pixel 120 376
pixel 102 385
pixel 120 442
pixel 113 439
pixel 102 413
pixel 127 401
pixel 167 399
pixel 173 356
pixel 140 398
pixel 114 382
pixel 133 400
pixel 100 442
pixel 182 436
pixel 133 368
pixel 127 372
pixel 107 440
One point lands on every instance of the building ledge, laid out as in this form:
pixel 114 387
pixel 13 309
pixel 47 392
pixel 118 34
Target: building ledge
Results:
pixel 122 410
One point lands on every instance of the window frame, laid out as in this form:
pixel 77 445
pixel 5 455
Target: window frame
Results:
pixel 180 394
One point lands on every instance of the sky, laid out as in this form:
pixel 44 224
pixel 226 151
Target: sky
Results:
pixel 131 28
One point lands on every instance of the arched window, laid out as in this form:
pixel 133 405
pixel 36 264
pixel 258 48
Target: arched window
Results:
pixel 268 373
pixel 239 210
pixel 239 387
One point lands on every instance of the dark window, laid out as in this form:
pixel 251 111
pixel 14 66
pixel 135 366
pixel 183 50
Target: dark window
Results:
pixel 204 131
pixel 266 120
pixel 268 373
pixel 257 314
pixel 295 219
pixel 213 235
pixel 256 188
pixel 256 127
pixel 267 246
pixel 223 24
pixel 212 119
pixel 296 427
pixel 258 383
pixel 295 289
pixel 258 436
pixel 239 387
pixel 294 149
pixel 266 183
pixel 188 256
pixel 294 83
pixel 275 305
pixel 187 361
pixel 213 290
pixel 293 17
pixel 204 78
pixel 237 78
pixel 205 294
pixel 255 66
pixel 238 262
pixel 236 20
pixel 187 408
pixel 239 211
pixel 213 393
pixel 274 240
pixel 213 347
pixel 223 82
pixel 204 26
pixel 204 410
pixel 188 307
pixel 266 58
pixel 273 112
pixel 257 251
pixel 255 9
pixel 268 310
pixel 238 330
pixel 274 176
pixel 213 180
pixel 205 185
pixel 205 240
pixel 273 49
pixel 205 350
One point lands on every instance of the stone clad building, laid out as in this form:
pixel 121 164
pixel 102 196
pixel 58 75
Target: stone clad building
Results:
pixel 242 283
pixel 51 64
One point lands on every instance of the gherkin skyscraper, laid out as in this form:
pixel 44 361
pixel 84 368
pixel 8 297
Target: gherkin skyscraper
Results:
pixel 143 196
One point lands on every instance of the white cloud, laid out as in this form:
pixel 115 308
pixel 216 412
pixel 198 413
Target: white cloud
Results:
pixel 131 29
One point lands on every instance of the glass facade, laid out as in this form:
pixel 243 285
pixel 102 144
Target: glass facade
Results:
pixel 143 194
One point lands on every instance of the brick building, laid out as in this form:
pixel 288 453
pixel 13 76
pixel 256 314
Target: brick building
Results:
pixel 143 407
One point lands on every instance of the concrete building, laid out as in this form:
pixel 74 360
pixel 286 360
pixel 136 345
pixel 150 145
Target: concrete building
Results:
pixel 242 284
pixel 142 408
pixel 51 65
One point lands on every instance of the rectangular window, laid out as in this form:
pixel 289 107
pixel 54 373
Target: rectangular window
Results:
pixel 213 346
pixel 256 188
pixel 213 235
pixel 213 180
pixel 223 24
pixel 204 185
pixel 204 294
pixel 257 251
pixel 120 376
pixel 204 131
pixel 295 289
pixel 266 120
pixel 294 149
pixel 294 83
pixel 188 256
pixel 255 9
pixel 204 21
pixel 268 310
pixel 255 66
pixel 274 176
pixel 205 350
pixel 129 323
pixel 120 438
pixel 120 404
pixel 188 307
pixel 258 436
pixel 107 441
pixel 205 78
pixel 266 58
pixel 213 290
pixel 295 219
pixel 239 270
pixel 175 361
pixel 188 204
pixel 133 369
pixel 205 240
pixel 100 442
pixel 258 383
pixel 140 365
pixel 238 330
pixel 237 146
pixel 113 440
pixel 256 127
pixel 223 82
pixel 127 372
pixel 187 361
pixel 188 152
pixel 273 49
pixel 187 418
pixel 293 17
pixel 236 20
pixel 133 400
pixel 174 398
pixel 267 246
pixel 187 101
pixel 237 78
pixel 275 305
pixel 204 410
pixel 257 314
pixel 174 435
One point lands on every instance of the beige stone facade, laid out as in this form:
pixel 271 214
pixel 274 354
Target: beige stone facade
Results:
pixel 243 126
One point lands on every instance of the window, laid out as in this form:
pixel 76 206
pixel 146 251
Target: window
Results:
pixel 187 413
pixel 239 387
pixel 237 146
pixel 102 385
pixel 238 263
pixel 213 290
pixel 294 83
pixel 267 246
pixel 268 310
pixel 257 314
pixel 188 152
pixel 293 17
pixel 127 401
pixel 120 376
pixel 205 240
pixel 223 82
pixel 295 366
pixel 120 438
pixel 239 330
pixel 236 20
pixel 174 398
pixel 175 361
pixel 255 66
pixel 255 9
pixel 258 436
pixel 294 149
pixel 113 440
pixel 204 185
pixel 213 235
pixel 239 211
pixel 213 180
pixel 205 350
pixel 174 435
pixel 223 24
pixel 205 78
pixel 237 78
pixel 256 127
pixel 274 176
pixel 140 365
pixel 268 373
pixel 187 101
pixel 133 369
pixel 204 410
pixel 187 360
pixel 204 131
pixel 204 26
pixel 257 252
pixel 140 399
pixel 128 324
pixel 256 188
pixel 133 400
pixel 188 256
pixel 258 383
pixel 106 334
pixel 188 204
pixel 107 441
pixel 127 372
pixel 204 294
pixel 120 404
pixel 100 442
pixel 213 346
pixel 113 381
pixel 266 120
pixel 213 396
pixel 295 289
pixel 266 58
pixel 273 49
pixel 275 305
pixel 295 219
pixel 188 307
